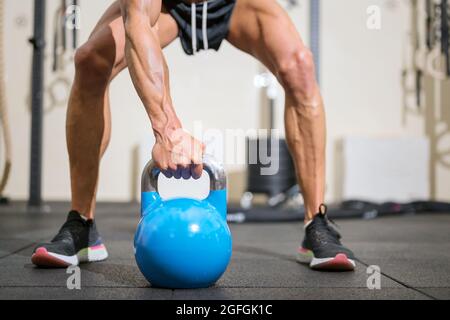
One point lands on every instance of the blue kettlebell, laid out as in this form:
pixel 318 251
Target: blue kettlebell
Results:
pixel 183 243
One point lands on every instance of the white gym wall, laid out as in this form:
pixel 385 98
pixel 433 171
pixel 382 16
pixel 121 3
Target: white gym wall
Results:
pixel 361 82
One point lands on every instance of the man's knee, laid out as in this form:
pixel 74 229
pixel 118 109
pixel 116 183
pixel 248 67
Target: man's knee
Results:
pixel 93 66
pixel 296 72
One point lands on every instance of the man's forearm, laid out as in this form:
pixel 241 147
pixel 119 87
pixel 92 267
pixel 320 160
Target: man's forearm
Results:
pixel 149 72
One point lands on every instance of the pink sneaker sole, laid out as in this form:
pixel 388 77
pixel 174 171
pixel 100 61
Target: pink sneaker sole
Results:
pixel 338 263
pixel 42 258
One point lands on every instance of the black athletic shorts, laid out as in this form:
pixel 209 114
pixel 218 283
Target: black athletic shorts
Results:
pixel 212 19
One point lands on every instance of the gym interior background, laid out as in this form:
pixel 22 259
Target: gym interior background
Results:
pixel 388 134
pixel 361 78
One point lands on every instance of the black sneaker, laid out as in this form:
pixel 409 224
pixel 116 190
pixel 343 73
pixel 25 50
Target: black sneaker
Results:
pixel 76 242
pixel 322 248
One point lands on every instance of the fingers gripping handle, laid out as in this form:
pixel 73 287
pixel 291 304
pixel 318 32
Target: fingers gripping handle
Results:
pixel 215 170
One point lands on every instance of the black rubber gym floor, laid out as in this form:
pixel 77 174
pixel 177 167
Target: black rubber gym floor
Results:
pixel 413 253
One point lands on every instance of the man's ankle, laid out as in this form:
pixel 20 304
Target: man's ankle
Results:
pixel 307 223
pixel 83 216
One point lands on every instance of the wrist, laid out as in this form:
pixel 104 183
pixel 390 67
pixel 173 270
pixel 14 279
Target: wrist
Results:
pixel 165 129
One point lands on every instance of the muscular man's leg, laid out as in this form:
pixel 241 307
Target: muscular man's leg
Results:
pixel 88 132
pixel 263 29
pixel 88 118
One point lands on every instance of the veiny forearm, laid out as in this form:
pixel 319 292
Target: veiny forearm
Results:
pixel 149 74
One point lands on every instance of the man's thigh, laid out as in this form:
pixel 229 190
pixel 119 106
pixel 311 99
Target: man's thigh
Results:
pixel 263 29
pixel 108 36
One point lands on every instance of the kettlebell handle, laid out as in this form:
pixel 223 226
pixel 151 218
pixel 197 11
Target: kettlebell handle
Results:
pixel 216 172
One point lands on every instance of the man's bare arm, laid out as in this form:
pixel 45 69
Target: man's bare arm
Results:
pixel 174 150
pixel 146 63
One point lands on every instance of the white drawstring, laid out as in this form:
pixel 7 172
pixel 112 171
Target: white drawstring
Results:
pixel 194 27
pixel 204 26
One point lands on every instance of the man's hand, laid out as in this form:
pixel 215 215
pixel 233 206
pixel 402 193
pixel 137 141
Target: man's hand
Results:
pixel 179 155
